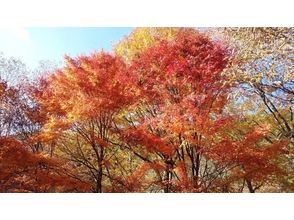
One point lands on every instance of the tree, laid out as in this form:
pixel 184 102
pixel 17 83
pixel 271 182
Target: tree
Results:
pixel 263 68
pixel 83 100
pixel 23 167
pixel 183 94
pixel 173 110
pixel 13 71
pixel 181 119
pixel 141 39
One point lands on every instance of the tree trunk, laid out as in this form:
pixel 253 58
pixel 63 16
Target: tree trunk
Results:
pixel 197 167
pixel 99 181
pixel 168 176
pixel 250 187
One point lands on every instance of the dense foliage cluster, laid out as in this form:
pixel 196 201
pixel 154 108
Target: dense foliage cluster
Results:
pixel 171 110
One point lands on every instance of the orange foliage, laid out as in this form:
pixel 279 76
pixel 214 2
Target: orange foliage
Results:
pixel 166 107
pixel 23 171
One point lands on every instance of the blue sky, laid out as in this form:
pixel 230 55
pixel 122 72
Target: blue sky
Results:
pixel 32 45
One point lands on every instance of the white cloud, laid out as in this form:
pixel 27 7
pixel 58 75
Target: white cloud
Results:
pixel 16 32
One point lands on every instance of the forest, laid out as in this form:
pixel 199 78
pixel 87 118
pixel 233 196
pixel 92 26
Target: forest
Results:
pixel 168 110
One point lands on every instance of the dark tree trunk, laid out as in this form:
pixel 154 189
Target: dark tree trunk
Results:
pixel 168 176
pixel 167 184
pixel 99 181
pixel 250 187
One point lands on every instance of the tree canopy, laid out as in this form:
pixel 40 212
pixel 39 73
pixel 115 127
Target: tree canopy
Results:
pixel 169 110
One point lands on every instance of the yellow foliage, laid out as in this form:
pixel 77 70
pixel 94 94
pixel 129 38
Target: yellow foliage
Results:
pixel 142 38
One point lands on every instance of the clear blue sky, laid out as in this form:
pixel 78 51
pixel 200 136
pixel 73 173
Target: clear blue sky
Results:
pixel 32 45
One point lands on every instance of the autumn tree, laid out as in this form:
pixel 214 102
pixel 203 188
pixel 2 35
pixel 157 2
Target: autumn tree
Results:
pixel 182 115
pixel 141 39
pixel 24 171
pixel 172 110
pixel 263 68
pixel 24 167
pixel 83 100
pixel 182 95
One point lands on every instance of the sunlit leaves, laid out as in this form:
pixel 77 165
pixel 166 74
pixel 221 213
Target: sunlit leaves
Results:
pixel 173 110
